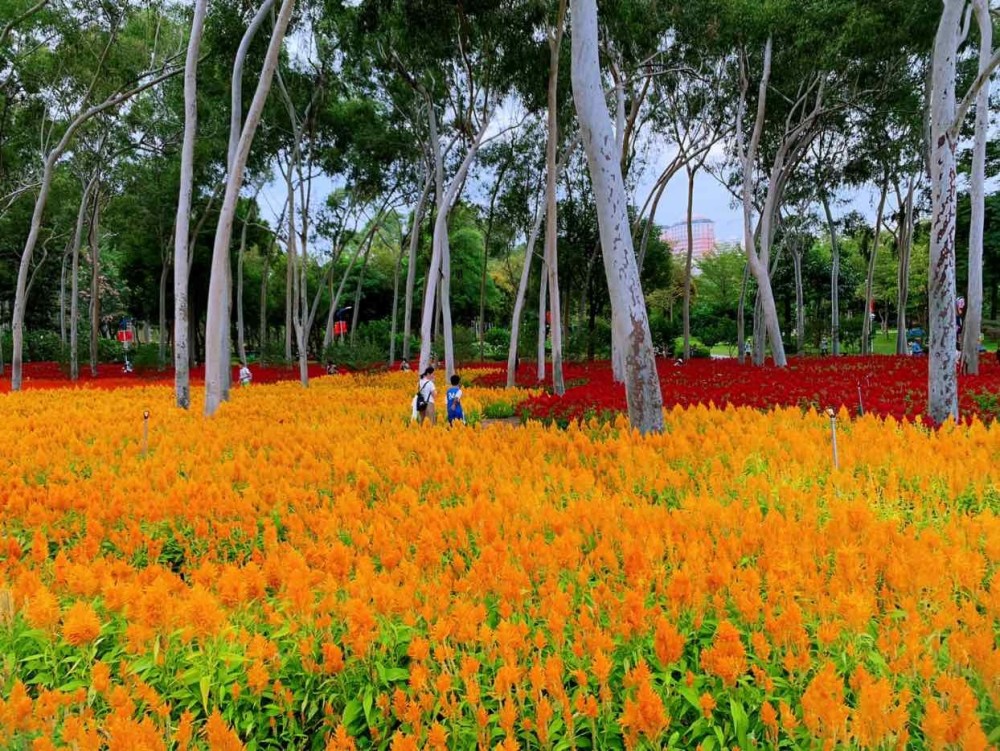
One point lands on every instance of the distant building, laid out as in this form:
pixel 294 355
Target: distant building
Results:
pixel 703 233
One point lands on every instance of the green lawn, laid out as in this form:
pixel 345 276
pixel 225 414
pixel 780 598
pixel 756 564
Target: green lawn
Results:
pixel 884 344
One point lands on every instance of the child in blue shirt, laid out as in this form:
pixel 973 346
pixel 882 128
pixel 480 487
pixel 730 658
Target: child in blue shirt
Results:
pixel 454 397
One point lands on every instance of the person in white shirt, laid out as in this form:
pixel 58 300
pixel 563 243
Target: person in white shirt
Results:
pixel 425 396
pixel 245 375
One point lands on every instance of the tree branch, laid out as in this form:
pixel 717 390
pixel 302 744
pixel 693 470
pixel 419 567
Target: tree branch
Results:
pixel 970 95
pixel 17 20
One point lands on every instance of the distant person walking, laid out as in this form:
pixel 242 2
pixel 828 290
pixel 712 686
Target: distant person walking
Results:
pixel 454 397
pixel 245 375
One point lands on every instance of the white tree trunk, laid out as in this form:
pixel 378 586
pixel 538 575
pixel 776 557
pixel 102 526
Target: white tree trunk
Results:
pixel 942 398
pixel 834 279
pixel 687 265
pixel 411 267
pixel 361 248
pixel 356 313
pixel 182 376
pixel 289 302
pixel 543 296
pixel 522 290
pixel 241 344
pixel 236 85
pixel 63 335
pixel 395 302
pixel 161 359
pixel 642 386
pixel 292 277
pixel 95 280
pixel 264 276
pixel 74 302
pixel 758 261
pixel 552 209
pixel 440 265
pixel 741 346
pixel 903 272
pixel 800 307
pixel 235 128
pixel 977 196
pixel 328 332
pixel 217 305
pixel 306 316
pixel 866 324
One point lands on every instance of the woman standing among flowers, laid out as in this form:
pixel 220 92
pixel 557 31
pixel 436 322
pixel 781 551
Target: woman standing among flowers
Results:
pixel 423 402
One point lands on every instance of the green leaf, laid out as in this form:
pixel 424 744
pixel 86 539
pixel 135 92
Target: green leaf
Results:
pixel 366 702
pixel 740 722
pixel 353 716
pixel 205 685
pixel 692 697
pixel 392 675
pixel 721 736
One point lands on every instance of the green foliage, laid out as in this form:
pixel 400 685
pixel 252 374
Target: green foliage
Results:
pixel 663 331
pixel 39 346
pixel 498 410
pixel 497 337
pixel 698 350
pixel 987 403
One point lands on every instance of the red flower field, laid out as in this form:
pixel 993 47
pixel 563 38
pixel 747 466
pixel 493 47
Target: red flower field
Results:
pixel 51 375
pixel 886 386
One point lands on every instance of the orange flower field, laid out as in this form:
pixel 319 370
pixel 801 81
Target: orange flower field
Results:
pixel 308 570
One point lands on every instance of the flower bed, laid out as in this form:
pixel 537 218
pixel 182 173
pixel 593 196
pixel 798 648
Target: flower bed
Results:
pixel 53 375
pixel 307 570
pixel 888 386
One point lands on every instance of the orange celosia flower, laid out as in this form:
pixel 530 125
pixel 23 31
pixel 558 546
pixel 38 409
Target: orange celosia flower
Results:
pixel 726 658
pixel 668 643
pixel 220 736
pixel 185 731
pixel 707 702
pixel 341 740
pixel 100 675
pixel 80 624
pixel 823 710
pixel 42 610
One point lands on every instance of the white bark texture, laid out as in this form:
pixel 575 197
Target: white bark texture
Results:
pixel 642 386
pixel 942 392
pixel 800 307
pixel 395 302
pixel 161 359
pixel 866 324
pixel 235 127
pixel 95 279
pixel 411 266
pixel 758 260
pixel 182 375
pixel 687 264
pixel 551 218
pixel 905 232
pixel 74 304
pixel 977 195
pixel 241 340
pixel 834 279
pixel 440 266
pixel 218 308
pixel 543 298
pixel 63 336
pixel 522 289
